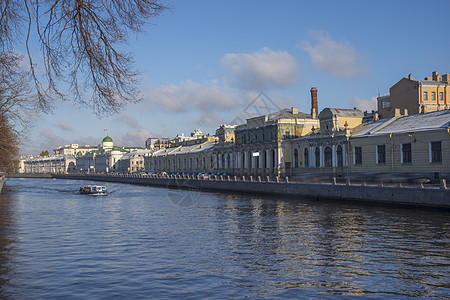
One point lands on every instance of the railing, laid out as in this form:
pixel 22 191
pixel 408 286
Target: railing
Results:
pixel 267 179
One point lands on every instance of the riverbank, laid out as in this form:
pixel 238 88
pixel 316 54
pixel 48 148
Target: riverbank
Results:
pixel 390 194
pixel 2 182
pixel 21 175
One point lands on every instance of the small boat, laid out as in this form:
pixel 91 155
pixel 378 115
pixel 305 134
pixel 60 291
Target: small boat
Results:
pixel 95 190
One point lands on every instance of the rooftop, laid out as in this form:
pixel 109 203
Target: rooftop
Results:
pixel 418 122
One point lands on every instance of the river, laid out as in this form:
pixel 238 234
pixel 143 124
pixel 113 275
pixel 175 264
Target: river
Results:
pixel 153 243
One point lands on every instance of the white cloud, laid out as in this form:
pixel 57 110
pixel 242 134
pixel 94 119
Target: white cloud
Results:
pixel 63 125
pixel 128 120
pixel 261 70
pixel 192 96
pixel 364 104
pixel 134 138
pixel 337 58
pixel 47 138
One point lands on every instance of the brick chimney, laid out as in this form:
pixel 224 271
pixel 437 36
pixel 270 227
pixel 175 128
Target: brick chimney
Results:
pixel 314 105
pixel 436 76
pixel 445 78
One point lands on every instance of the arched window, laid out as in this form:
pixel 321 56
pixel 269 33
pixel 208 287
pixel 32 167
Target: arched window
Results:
pixel 317 153
pixel 228 161
pixel 328 155
pixel 340 156
pixel 265 159
pixel 296 158
pixel 306 157
pixel 273 159
pixel 250 159
pixel 223 162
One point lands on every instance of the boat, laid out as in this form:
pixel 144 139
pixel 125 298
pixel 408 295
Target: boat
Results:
pixel 95 190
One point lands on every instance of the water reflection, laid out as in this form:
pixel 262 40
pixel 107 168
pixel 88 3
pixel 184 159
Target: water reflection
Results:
pixel 138 243
pixel 336 249
pixel 7 240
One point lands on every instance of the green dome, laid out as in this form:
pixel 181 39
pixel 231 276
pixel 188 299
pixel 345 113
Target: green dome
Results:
pixel 107 139
pixel 116 148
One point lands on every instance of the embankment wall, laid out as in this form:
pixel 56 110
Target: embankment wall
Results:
pixel 393 194
pixel 2 182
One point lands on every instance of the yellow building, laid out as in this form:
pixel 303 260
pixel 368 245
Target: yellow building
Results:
pixel 411 96
pixel 415 144
pixel 325 150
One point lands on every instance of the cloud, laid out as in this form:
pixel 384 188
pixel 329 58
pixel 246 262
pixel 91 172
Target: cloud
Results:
pixel 192 96
pixel 364 104
pixel 261 70
pixel 337 58
pixel 128 120
pixel 134 138
pixel 211 119
pixel 48 139
pixel 63 125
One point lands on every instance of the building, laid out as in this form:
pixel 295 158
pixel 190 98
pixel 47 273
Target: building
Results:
pixel 48 164
pixel 258 147
pixel 409 96
pixel 415 144
pixel 74 149
pixel 133 161
pixel 185 155
pixel 325 149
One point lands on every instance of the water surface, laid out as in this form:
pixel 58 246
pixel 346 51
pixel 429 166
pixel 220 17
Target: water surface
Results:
pixel 154 243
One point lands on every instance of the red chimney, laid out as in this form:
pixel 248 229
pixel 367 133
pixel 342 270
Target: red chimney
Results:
pixel 314 106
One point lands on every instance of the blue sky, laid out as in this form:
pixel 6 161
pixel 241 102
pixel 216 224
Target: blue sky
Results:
pixel 204 62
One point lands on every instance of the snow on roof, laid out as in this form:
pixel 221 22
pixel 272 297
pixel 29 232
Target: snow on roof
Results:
pixel 418 122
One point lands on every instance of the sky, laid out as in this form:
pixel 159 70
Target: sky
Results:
pixel 206 63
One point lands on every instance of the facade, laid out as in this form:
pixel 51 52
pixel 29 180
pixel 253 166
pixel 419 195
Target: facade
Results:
pixel 325 150
pixel 74 149
pixel 416 144
pixel 409 96
pixel 133 161
pixel 49 164
pixel 410 134
pixel 258 150
pixel 188 157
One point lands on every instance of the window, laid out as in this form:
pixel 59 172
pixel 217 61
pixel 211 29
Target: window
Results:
pixel 328 157
pixel 306 157
pixel 381 154
pixel 406 153
pixel 425 95
pixel 441 95
pixel 295 158
pixel 317 153
pixel 340 156
pixel 433 95
pixel 436 152
pixel 358 155
pixel 385 103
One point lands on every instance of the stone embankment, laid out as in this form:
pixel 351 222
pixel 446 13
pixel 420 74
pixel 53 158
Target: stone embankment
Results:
pixel 419 195
pixel 2 182
pixel 21 175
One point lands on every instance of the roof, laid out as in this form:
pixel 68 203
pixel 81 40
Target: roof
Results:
pixel 418 122
pixel 432 82
pixel 107 139
pixel 287 114
pixel 327 113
